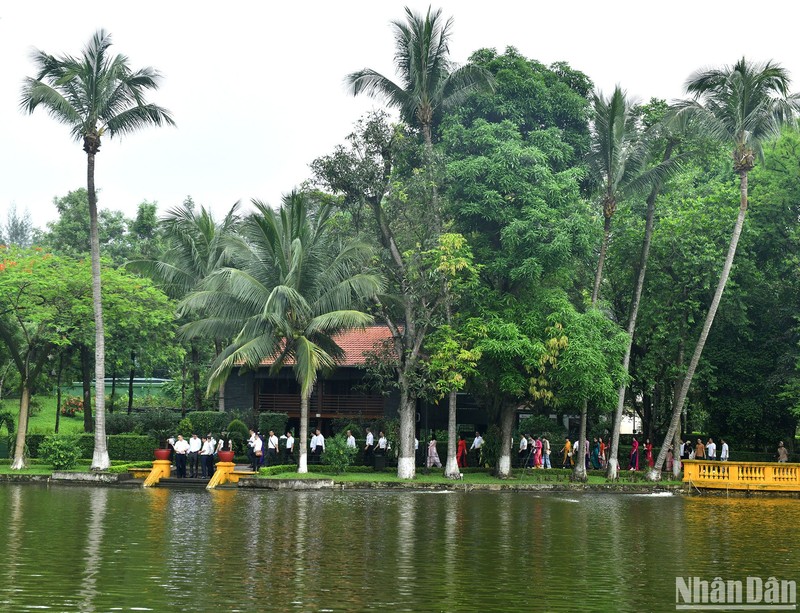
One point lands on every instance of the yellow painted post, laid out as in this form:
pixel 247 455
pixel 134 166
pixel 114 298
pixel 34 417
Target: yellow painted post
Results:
pixel 161 470
pixel 221 475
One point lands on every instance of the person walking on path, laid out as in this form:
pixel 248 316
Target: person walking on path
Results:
pixel 477 443
pixel 369 449
pixel 523 449
pixel 258 452
pixel 596 454
pixel 633 463
pixel 461 452
pixel 289 451
pixel 711 449
pixel 699 450
pixel 648 453
pixel 195 445
pixel 272 449
pixel 537 452
pixel 433 454
pixel 783 453
pixel 567 451
pixel 546 452
pixel 725 452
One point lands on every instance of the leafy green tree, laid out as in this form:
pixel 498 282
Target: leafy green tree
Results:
pixel 196 246
pixel 35 296
pixel 18 229
pixel 743 105
pixel 94 94
pixel 290 290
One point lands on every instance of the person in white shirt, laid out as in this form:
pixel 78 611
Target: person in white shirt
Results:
pixel 272 449
pixel 351 440
pixel 725 452
pixel 289 453
pixel 251 446
pixel 477 443
pixel 369 449
pixel 181 448
pixel 319 449
pixel 195 445
pixel 382 442
pixel 206 457
pixel 313 446
pixel 711 450
pixel 523 449
pixel 258 452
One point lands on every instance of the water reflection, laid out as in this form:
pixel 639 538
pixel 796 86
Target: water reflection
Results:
pixel 85 549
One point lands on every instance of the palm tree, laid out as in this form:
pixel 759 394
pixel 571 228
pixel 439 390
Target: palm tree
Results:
pixel 196 247
pixel 429 84
pixel 94 94
pixel 618 163
pixel 743 105
pixel 293 286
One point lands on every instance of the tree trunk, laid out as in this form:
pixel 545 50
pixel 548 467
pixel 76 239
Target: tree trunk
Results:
pixel 58 389
pixel 579 454
pixel 131 376
pixel 598 277
pixel 221 389
pixel 655 474
pixel 86 380
pixel 183 389
pixel 503 469
pixel 100 459
pixel 302 465
pixel 613 460
pixel 196 391
pixel 451 470
pixel 22 427
pixel 406 466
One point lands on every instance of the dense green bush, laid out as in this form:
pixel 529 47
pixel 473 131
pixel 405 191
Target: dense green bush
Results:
pixel 61 452
pixel 209 421
pixel 185 427
pixel 337 454
pixel 121 423
pixel 159 423
pixel 238 433
pixel 272 421
pixel 133 447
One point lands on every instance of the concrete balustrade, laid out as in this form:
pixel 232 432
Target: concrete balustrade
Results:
pixel 766 476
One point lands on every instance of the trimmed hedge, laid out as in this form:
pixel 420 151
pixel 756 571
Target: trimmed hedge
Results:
pixel 131 447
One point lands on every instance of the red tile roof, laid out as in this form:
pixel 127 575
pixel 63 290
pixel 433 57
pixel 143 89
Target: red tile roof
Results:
pixel 354 343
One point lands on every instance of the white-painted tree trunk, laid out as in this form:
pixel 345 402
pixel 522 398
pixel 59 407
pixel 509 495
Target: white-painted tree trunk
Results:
pixel 451 470
pixel 22 428
pixel 506 425
pixel 406 467
pixel 302 464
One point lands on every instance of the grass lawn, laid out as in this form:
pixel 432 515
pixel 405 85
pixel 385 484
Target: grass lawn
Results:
pixel 38 469
pixel 43 421
pixel 547 477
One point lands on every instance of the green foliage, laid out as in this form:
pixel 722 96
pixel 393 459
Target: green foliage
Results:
pixel 540 425
pixel 273 421
pixel 185 428
pixel 160 424
pixel 238 433
pixel 121 423
pixel 61 452
pixel 131 447
pixel 337 454
pixel 204 422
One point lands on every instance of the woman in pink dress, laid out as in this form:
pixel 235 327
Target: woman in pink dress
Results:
pixel 537 454
pixel 634 461
pixel 648 453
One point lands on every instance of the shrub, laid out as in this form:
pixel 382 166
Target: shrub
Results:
pixel 120 423
pixel 272 421
pixel 159 423
pixel 131 447
pixel 61 452
pixel 337 454
pixel 238 433
pixel 71 406
pixel 185 427
pixel 209 421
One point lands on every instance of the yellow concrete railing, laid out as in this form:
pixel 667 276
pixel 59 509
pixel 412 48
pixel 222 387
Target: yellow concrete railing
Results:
pixel 225 473
pixel 773 476
pixel 161 470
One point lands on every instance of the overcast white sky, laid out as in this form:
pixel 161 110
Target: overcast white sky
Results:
pixel 256 87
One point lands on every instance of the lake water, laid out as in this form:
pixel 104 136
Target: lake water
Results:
pixel 103 549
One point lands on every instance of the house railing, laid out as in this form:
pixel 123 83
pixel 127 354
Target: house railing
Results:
pixel 777 476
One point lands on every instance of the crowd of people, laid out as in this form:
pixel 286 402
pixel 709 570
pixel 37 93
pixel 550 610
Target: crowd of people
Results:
pixel 197 456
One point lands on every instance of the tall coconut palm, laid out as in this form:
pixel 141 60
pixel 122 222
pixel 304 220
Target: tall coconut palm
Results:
pixel 429 84
pixel 196 247
pixel 292 287
pixel 744 106
pixel 618 164
pixel 94 94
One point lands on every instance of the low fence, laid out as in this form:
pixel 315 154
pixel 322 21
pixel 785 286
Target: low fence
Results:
pixel 772 476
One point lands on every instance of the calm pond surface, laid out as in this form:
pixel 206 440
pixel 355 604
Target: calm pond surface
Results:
pixel 102 549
